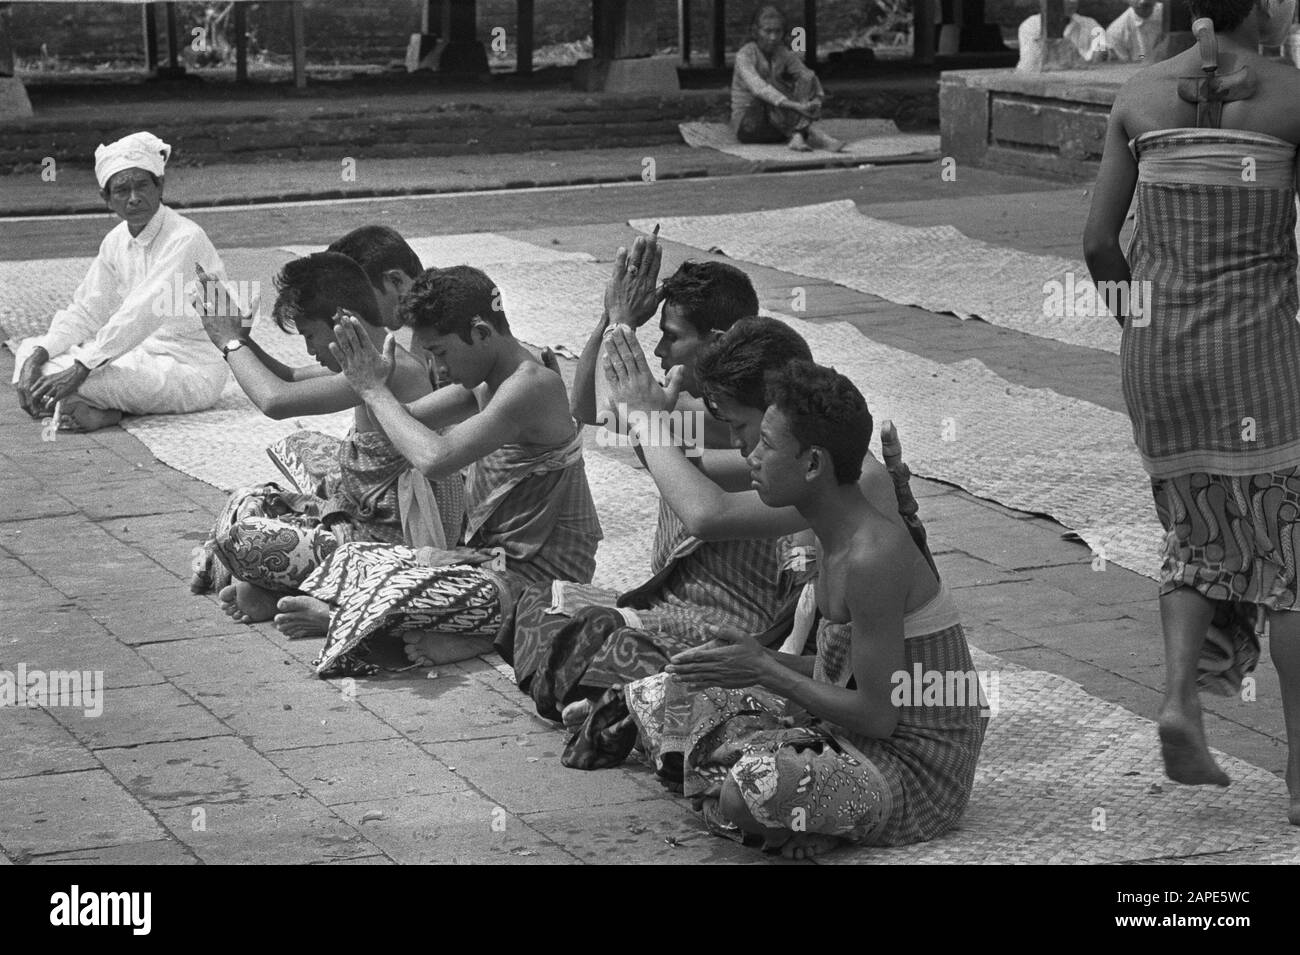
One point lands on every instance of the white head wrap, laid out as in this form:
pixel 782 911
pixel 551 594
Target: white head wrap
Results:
pixel 143 150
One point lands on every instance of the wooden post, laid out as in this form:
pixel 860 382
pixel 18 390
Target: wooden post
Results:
pixel 241 43
pixel 1178 31
pixel 524 29
pixel 150 36
pixel 718 35
pixel 684 30
pixel 7 63
pixel 298 37
pixel 922 31
pixel 810 33
pixel 1058 53
pixel 173 42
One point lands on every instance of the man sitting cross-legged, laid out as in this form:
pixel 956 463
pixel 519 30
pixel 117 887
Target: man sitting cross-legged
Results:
pixel 571 642
pixel 806 753
pixel 361 479
pixel 266 536
pixel 128 342
pixel 528 505
pixel 731 375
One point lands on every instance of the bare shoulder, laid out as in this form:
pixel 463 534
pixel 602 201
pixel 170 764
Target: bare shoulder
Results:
pixel 533 392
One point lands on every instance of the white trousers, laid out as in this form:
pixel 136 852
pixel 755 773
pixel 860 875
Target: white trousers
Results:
pixel 141 383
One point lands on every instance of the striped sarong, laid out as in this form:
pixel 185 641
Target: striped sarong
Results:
pixel 1209 372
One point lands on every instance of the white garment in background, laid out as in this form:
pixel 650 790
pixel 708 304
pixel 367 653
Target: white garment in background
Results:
pixel 145 355
pixel 1083 32
pixel 1133 40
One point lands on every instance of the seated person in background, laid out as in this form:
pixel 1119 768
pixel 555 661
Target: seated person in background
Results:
pixel 1132 36
pixel 570 643
pixel 129 342
pixel 528 505
pixel 265 534
pixel 805 753
pixel 1084 33
pixel 775 97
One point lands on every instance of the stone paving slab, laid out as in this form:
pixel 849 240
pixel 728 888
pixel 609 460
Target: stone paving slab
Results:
pixel 452 828
pixel 82 809
pixel 142 714
pixel 37 745
pixel 344 773
pixel 221 769
pixel 286 830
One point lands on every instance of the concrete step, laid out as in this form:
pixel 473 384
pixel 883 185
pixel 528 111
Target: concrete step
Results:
pixel 204 127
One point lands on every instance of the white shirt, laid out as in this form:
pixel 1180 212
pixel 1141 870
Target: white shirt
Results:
pixel 128 298
pixel 1133 39
pixel 1082 32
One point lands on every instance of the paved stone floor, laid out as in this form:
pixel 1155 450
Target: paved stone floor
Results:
pixel 217 744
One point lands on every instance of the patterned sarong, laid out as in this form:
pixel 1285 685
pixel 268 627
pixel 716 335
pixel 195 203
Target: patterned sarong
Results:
pixel 800 774
pixel 569 641
pixel 1209 375
pixel 276 539
pixel 529 516
pixel 381 589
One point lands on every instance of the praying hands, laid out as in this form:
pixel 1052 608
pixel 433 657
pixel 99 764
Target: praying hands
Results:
pixel 632 295
pixel 366 369
pixel 632 384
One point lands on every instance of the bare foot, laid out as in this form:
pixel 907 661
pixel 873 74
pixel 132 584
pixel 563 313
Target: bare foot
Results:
pixel 550 361
pixel 799 144
pixel 243 602
pixel 575 714
pixel 77 416
pixel 429 649
pixel 819 140
pixel 302 616
pixel 1187 758
pixel 808 845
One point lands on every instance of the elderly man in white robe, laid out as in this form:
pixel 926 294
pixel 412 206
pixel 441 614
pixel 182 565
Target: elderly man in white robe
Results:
pixel 131 340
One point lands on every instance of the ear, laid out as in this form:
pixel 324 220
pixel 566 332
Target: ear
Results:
pixel 818 462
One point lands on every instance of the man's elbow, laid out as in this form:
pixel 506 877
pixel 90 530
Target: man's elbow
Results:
pixel 703 524
pixel 276 409
pixel 1097 246
pixel 434 468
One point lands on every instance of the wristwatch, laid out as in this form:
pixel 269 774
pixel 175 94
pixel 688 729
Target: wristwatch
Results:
pixel 232 345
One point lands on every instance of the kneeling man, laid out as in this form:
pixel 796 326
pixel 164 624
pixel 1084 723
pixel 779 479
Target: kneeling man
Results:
pixel 128 342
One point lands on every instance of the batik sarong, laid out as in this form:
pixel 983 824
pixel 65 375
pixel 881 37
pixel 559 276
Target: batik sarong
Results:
pixel 276 539
pixel 529 516
pixel 802 774
pixel 1209 375
pixel 569 641
pixel 382 590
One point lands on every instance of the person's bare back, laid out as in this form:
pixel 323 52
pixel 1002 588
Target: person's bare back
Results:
pixel 1150 100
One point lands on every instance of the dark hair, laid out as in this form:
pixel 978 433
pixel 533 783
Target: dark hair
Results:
pixel 736 365
pixel 711 294
pixel 767 9
pixel 448 300
pixel 314 288
pixel 824 409
pixel 1225 14
pixel 157 180
pixel 377 248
